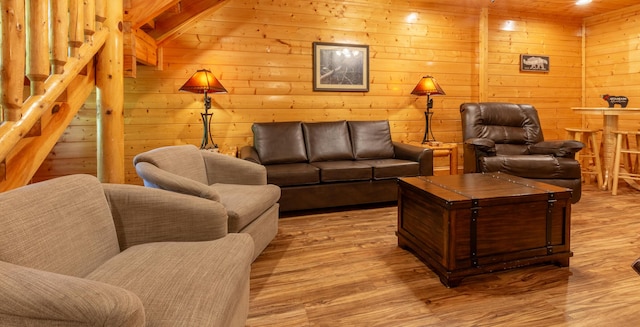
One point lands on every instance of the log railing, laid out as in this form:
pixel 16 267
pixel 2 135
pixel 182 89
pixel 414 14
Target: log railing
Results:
pixel 46 45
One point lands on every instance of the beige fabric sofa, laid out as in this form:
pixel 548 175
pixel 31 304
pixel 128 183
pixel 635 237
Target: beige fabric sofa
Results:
pixel 75 252
pixel 241 186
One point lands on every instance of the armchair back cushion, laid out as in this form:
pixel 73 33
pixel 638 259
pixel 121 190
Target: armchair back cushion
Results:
pixel 371 139
pixel 279 142
pixel 41 230
pixel 181 160
pixel 513 127
pixel 327 141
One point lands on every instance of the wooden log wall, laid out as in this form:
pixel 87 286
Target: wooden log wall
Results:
pixel 262 53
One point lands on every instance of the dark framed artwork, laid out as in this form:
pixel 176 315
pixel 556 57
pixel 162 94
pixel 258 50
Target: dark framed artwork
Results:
pixel 340 67
pixel 534 63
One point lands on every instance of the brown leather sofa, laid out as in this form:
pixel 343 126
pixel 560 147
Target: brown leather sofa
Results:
pixel 507 137
pixel 332 164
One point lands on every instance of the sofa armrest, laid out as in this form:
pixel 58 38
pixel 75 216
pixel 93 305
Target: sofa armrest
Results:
pixel 250 154
pixel 162 179
pixel 32 297
pixel 229 170
pixel 143 215
pixel 415 153
pixel 558 148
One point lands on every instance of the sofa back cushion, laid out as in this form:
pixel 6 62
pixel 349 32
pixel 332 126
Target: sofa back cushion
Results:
pixel 371 139
pixel 63 225
pixel 280 142
pixel 327 141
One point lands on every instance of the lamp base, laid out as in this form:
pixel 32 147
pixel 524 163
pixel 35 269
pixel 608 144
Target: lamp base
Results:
pixel 428 135
pixel 207 139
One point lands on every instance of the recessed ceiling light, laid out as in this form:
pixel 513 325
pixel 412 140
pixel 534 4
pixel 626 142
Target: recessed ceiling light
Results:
pixel 582 2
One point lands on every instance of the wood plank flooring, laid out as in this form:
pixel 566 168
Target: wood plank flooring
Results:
pixel 345 269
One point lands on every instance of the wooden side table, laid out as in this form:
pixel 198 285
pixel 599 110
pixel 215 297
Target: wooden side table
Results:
pixel 441 149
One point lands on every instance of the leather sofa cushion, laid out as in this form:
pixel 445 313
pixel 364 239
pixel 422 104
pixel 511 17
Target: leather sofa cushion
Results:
pixel 392 168
pixel 280 142
pixel 371 139
pixel 347 170
pixel 532 166
pixel 293 174
pixel 327 141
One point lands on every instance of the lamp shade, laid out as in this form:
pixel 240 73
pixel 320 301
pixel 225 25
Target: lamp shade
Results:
pixel 427 86
pixel 203 81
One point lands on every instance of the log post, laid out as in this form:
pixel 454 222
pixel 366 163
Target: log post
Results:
pixel 38 43
pixel 12 58
pixel 59 18
pixel 110 99
pixel 89 19
pixel 76 27
pixel 100 13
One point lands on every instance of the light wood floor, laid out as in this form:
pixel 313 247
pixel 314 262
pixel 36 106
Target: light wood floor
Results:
pixel 345 269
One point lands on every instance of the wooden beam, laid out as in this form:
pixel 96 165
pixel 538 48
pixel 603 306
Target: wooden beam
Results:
pixel 110 99
pixel 192 11
pixel 483 56
pixel 139 12
pixel 146 48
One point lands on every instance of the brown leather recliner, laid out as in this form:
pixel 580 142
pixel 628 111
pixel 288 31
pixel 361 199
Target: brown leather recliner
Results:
pixel 507 137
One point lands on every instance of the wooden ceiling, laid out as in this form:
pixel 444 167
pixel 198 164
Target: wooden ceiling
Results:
pixel 560 8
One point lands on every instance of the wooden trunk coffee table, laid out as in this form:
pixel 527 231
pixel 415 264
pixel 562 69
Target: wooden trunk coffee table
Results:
pixel 463 225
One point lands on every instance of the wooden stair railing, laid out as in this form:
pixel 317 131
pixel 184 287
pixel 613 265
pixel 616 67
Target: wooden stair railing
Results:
pixel 54 50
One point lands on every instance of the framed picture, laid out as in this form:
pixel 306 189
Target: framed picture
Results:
pixel 340 67
pixel 534 63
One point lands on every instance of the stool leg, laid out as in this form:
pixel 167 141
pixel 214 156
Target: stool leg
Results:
pixel 596 159
pixel 616 164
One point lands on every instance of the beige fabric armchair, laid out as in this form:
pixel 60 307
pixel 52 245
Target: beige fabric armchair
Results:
pixel 241 186
pixel 75 252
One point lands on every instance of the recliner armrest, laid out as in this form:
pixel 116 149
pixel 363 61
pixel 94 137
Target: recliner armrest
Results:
pixel 487 146
pixel 32 297
pixel 557 148
pixel 144 215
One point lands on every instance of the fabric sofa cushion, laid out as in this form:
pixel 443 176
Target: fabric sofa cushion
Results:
pixel 245 203
pixel 392 168
pixel 293 174
pixel 162 275
pixel 346 170
pixel 327 141
pixel 371 139
pixel 280 142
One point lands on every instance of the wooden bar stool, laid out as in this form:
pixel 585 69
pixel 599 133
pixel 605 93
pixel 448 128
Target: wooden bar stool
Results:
pixel 589 156
pixel 623 167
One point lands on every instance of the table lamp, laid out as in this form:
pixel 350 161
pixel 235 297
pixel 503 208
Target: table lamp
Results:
pixel 203 81
pixel 428 86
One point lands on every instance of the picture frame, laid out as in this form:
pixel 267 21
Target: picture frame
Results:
pixel 534 63
pixel 340 67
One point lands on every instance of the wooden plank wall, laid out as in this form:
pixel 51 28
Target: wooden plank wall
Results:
pixel 612 52
pixel 261 52
pixel 552 93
